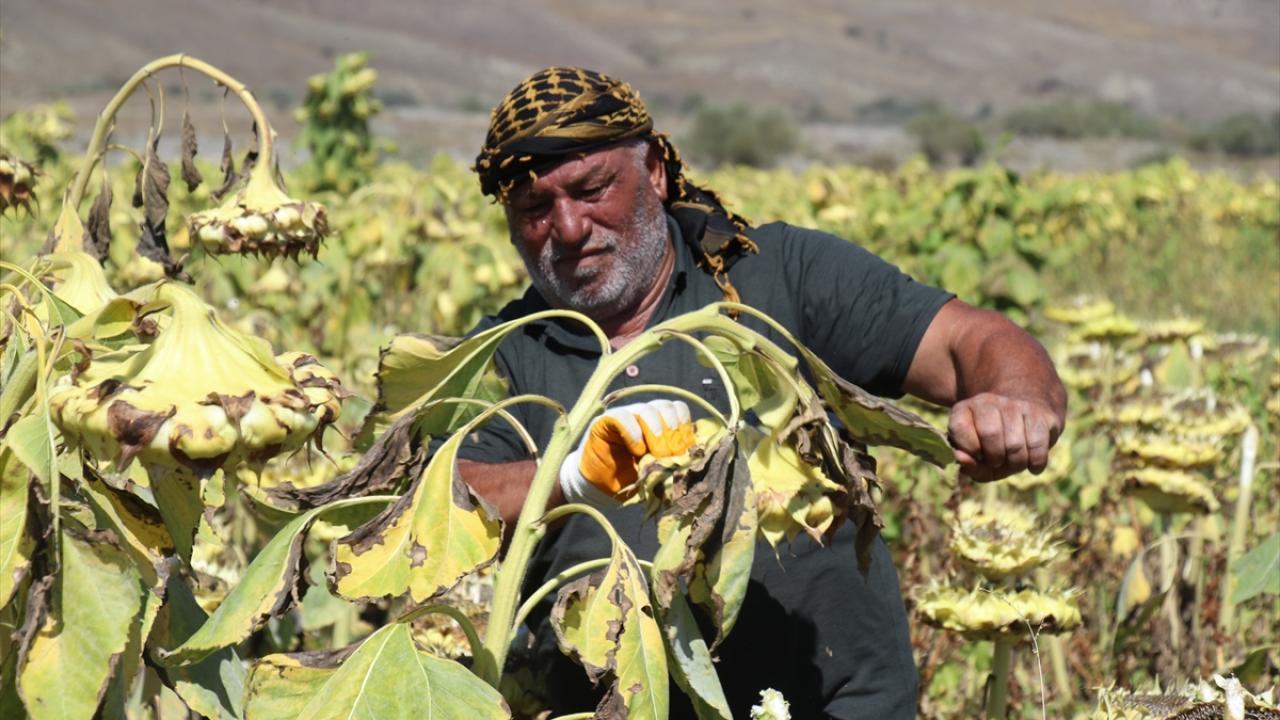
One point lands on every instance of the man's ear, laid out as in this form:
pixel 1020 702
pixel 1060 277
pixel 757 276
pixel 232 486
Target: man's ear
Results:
pixel 657 167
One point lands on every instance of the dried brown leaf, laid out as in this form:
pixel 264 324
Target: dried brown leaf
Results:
pixel 151 193
pixel 190 173
pixel 395 457
pixel 97 230
pixel 228 168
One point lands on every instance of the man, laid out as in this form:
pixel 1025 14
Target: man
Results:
pixel 598 206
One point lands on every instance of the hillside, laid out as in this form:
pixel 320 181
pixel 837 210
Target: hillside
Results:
pixel 443 64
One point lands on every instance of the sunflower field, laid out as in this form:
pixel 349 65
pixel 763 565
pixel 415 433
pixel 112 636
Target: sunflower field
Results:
pixel 219 374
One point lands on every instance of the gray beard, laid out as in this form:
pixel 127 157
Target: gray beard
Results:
pixel 628 277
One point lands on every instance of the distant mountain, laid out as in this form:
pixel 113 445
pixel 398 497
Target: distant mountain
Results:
pixel 831 62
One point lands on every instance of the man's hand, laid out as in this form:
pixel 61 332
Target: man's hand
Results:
pixel 996 436
pixel 1007 404
pixel 605 461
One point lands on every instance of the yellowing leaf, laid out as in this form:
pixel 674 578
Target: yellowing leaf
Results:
pixel 259 595
pixel 606 622
pixel 386 678
pixel 436 534
pixel 691 664
pixel 874 421
pixel 96 597
pixel 15 543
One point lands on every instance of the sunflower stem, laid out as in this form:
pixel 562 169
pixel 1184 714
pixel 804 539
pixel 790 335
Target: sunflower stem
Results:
pixel 98 142
pixel 1239 524
pixel 1169 579
pixel 998 694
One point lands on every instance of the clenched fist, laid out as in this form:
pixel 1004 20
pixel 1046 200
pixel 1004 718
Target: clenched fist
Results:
pixel 605 461
pixel 996 436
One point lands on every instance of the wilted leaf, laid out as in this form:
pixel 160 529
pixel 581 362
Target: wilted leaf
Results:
pixel 606 622
pixel 640 675
pixel 756 381
pixel 436 534
pixel 190 173
pixel 281 685
pixel 97 230
pixel 587 617
pixel 96 596
pixel 386 678
pixel 137 524
pixel 691 664
pixel 416 369
pixel 1257 571
pixel 707 534
pixel 151 193
pixel 874 421
pixel 382 468
pixel 1135 588
pixel 228 168
pixel 15 543
pixel 214 686
pixel 30 439
pixel 720 583
pixel 261 593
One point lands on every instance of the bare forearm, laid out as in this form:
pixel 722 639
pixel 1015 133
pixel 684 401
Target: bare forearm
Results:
pixel 1007 404
pixel 968 351
pixel 503 485
pixel 1008 361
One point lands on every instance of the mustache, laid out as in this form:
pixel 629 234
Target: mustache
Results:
pixel 556 253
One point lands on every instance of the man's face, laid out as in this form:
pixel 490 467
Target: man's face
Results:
pixel 592 231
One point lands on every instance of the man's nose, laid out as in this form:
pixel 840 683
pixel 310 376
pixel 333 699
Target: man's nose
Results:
pixel 569 224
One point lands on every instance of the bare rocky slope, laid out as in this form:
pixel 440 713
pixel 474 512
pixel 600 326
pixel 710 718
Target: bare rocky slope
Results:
pixel 442 64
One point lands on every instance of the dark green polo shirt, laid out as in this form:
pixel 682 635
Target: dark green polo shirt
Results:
pixel 833 641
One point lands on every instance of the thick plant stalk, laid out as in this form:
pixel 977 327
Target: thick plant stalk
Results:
pixel 529 526
pixel 1239 523
pixel 998 695
pixel 1057 654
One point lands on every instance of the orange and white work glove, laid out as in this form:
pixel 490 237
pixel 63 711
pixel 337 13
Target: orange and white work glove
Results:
pixel 605 461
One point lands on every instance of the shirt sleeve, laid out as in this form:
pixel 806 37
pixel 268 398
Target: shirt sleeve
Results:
pixel 862 315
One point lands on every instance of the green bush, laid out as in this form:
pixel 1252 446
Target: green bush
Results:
pixel 947 138
pixel 1072 119
pixel 1243 135
pixel 739 135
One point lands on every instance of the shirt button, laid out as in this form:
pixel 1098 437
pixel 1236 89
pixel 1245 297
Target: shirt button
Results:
pixel 633 371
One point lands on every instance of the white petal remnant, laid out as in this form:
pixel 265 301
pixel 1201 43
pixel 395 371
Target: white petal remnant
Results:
pixel 772 706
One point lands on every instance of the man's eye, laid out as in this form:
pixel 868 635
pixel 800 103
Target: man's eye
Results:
pixel 593 190
pixel 537 209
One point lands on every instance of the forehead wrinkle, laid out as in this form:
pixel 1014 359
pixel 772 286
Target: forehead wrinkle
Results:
pixel 565 175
